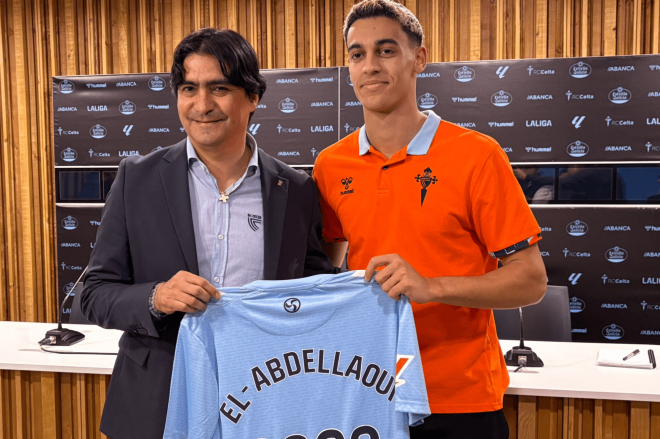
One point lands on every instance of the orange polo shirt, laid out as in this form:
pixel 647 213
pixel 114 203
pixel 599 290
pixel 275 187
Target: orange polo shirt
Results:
pixel 444 204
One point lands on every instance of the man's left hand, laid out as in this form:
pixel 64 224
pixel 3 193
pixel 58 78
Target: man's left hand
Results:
pixel 399 277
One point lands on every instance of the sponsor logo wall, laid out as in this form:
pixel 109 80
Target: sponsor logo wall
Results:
pixel 544 110
pixel 76 235
pixel 609 258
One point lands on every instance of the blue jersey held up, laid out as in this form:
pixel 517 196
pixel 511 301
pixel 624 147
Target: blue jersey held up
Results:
pixel 325 357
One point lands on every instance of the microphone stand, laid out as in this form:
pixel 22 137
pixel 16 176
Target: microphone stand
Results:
pixel 62 336
pixel 522 356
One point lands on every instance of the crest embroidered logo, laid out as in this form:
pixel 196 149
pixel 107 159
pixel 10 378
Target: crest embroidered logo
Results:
pixel 292 305
pixel 347 182
pixel 426 180
pixel 254 221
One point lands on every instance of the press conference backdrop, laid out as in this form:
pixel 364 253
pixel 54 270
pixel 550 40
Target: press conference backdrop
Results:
pixel 583 135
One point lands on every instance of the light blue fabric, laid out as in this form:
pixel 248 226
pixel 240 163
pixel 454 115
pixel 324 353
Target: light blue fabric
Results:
pixel 419 145
pixel 239 369
pixel 229 236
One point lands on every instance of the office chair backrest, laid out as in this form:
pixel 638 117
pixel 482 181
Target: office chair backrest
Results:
pixel 548 320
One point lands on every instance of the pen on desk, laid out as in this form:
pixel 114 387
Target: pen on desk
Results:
pixel 652 358
pixel 630 355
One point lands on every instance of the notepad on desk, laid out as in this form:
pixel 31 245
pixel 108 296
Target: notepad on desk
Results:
pixel 615 358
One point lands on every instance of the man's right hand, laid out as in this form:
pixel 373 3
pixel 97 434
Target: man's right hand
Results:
pixel 184 292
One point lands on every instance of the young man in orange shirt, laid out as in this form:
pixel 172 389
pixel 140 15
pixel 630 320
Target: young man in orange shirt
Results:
pixel 436 205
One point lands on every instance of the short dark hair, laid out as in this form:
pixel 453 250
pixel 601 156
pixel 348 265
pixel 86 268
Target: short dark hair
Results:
pixel 390 9
pixel 238 61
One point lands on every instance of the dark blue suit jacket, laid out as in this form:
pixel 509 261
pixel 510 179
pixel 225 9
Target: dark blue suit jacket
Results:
pixel 146 236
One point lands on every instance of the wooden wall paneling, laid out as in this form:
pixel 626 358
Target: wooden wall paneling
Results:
pixel 475 30
pixel 655 27
pixel 609 28
pixel 528 31
pixel 640 420
pixel 463 30
pixel 568 418
pixel 541 29
pixel 290 48
pixel 655 420
pixel 66 405
pixel 595 28
pixel 301 42
pixel 7 266
pixel 144 36
pixel 511 413
pixel 50 404
pixel 547 418
pixel 35 409
pixel 488 27
pixel 584 27
pixel 527 417
pixel 620 419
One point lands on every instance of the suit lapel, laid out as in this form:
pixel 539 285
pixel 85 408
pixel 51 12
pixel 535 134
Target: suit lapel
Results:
pixel 274 192
pixel 174 177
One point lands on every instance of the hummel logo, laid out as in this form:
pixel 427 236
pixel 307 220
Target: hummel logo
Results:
pixel 577 121
pixel 254 221
pixel 501 70
pixel 347 182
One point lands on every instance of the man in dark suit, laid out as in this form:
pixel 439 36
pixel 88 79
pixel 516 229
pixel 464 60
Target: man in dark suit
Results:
pixel 183 222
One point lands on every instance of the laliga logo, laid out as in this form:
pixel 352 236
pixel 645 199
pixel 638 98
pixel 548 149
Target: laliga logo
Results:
pixel 620 95
pixel 501 99
pixel 616 255
pixel 580 70
pixel 577 228
pixel 98 131
pixel 127 107
pixel 288 105
pixel 577 149
pixel 66 87
pixel 427 100
pixel 69 223
pixel 613 332
pixel 576 305
pixel 464 74
pixel 69 155
pixel 156 83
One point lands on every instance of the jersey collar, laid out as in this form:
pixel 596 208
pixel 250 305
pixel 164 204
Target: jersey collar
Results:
pixel 419 145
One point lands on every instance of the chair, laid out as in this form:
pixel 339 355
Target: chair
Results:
pixel 548 320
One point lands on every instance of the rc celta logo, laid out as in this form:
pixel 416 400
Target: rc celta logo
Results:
pixel 157 83
pixel 613 332
pixel 577 228
pixel 98 131
pixel 464 74
pixel 616 255
pixel 288 105
pixel 576 305
pixel 577 149
pixel 580 70
pixel 427 100
pixel 501 99
pixel 66 87
pixel 69 155
pixel 127 107
pixel 620 95
pixel 69 223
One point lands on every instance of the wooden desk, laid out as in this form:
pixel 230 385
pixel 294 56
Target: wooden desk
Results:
pixel 55 396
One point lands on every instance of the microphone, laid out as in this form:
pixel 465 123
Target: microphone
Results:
pixel 62 336
pixel 521 355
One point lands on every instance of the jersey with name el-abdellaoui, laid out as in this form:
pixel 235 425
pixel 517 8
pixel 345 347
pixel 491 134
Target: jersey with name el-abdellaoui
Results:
pixel 328 356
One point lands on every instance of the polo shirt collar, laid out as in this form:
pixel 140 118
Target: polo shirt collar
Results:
pixel 419 145
pixel 251 143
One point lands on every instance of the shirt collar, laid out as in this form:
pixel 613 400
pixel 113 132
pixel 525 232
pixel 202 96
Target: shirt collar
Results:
pixel 251 143
pixel 419 145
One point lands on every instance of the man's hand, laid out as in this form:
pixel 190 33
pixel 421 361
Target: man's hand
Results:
pixel 399 277
pixel 184 292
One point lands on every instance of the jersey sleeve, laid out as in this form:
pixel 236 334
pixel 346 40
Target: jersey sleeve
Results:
pixel 410 396
pixel 502 218
pixel 193 405
pixel 332 229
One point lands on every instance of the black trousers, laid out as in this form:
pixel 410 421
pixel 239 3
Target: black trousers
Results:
pixel 486 425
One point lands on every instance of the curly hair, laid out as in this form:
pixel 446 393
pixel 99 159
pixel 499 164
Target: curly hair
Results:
pixel 390 9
